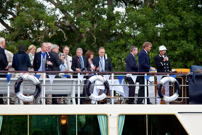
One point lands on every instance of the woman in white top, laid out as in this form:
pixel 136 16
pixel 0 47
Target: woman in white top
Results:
pixel 31 51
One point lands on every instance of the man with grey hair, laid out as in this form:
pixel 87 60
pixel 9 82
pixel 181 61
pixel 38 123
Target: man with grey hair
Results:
pixel 3 62
pixel 131 66
pixel 55 58
pixel 55 48
pixel 42 60
pixel 80 63
pixel 102 62
pixel 55 67
pixel 49 46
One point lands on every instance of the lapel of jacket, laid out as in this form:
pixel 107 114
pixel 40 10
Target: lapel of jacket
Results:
pixel 39 58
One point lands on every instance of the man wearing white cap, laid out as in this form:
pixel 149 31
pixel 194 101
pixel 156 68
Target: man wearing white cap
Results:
pixel 163 65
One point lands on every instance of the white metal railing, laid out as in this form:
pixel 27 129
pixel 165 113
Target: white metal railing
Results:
pixel 69 86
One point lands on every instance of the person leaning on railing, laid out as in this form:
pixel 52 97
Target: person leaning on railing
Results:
pixel 131 66
pixel 80 63
pixel 144 66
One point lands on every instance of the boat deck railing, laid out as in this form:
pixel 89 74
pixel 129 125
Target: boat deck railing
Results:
pixel 70 89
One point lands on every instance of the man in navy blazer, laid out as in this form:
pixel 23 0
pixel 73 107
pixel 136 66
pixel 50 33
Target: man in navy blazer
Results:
pixel 43 57
pixel 131 66
pixel 144 66
pixel 102 63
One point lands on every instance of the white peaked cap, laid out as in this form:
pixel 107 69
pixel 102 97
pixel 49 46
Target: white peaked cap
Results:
pixel 162 47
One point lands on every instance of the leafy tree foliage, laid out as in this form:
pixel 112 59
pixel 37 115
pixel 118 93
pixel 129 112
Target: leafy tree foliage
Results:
pixel 91 24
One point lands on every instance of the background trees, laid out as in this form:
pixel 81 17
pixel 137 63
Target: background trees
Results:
pixel 91 24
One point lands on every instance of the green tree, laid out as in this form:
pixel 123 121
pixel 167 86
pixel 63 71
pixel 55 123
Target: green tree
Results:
pixel 91 24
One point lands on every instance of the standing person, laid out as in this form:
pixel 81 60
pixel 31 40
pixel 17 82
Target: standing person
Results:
pixel 163 65
pixel 102 62
pixel 131 66
pixel 90 55
pixel 3 62
pixel 42 60
pixel 67 60
pixel 21 61
pixel 31 52
pixel 80 63
pixel 55 58
pixel 9 56
pixel 162 61
pixel 49 46
pixel 56 63
pixel 144 66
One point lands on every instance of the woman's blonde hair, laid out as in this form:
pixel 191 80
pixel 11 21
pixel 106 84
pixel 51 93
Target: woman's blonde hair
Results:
pixel 30 48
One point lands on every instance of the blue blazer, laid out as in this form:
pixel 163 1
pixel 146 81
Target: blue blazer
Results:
pixel 131 63
pixel 21 61
pixel 144 62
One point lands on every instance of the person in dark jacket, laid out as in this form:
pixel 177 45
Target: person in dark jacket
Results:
pixel 43 59
pixel 80 63
pixel 55 58
pixel 21 61
pixel 56 63
pixel 102 62
pixel 131 66
pixel 3 62
pixel 162 61
pixel 163 65
pixel 144 66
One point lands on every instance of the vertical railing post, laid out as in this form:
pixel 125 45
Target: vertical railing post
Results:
pixel 78 89
pixel 43 100
pixel 112 89
pixel 73 92
pixel 8 92
pixel 145 89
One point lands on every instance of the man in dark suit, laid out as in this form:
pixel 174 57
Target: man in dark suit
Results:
pixel 55 58
pixel 144 66
pixel 43 62
pixel 131 66
pixel 101 62
pixel 3 62
pixel 56 63
pixel 80 63
pixel 42 59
